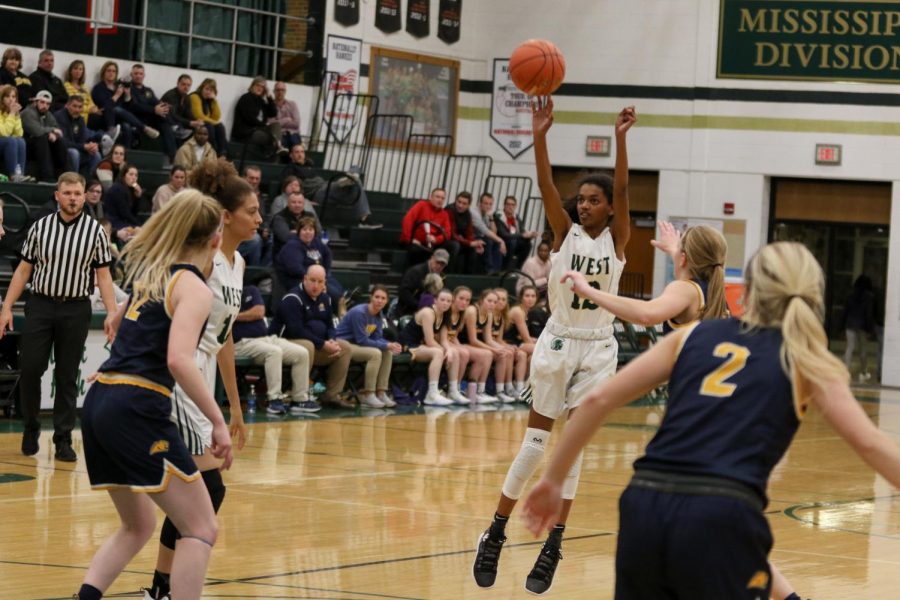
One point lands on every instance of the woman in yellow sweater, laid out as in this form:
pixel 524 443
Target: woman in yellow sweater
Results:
pixel 12 144
pixel 205 107
pixel 75 87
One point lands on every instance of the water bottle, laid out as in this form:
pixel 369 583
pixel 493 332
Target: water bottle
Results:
pixel 251 399
pixel 18 172
pixel 324 236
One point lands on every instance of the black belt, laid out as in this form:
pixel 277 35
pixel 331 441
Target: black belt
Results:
pixel 59 299
pixel 697 485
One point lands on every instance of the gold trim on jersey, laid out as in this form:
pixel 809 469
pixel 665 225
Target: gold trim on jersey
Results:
pixel 168 470
pixel 700 310
pixel 170 310
pixel 688 330
pixel 113 378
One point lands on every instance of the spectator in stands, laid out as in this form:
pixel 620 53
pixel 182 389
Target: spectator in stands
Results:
pixel 471 248
pixel 286 223
pixel 305 316
pixel 289 185
pixel 258 251
pixel 252 340
pixel 113 95
pixel 43 138
pixel 486 229
pixel 12 142
pixel 431 285
pixel 75 86
pixel 288 116
pixel 205 107
pixel 43 78
pixel 362 328
pixel 426 227
pixel 181 116
pixel 518 241
pixel 343 191
pixel 121 203
pixel 195 150
pixel 164 193
pixel 83 146
pixel 11 74
pixel 253 119
pixel 538 268
pixel 110 167
pixel 150 111
pixel 301 252
pixel 93 202
pixel 411 285
pixel 517 332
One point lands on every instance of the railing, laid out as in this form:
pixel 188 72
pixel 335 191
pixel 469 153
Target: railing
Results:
pixel 424 164
pixel 387 144
pixel 501 186
pixel 466 173
pixel 325 98
pixel 346 130
pixel 533 218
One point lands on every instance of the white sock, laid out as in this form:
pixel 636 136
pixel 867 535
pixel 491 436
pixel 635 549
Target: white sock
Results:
pixel 510 390
pixel 432 387
pixel 520 385
pixel 481 386
pixel 454 386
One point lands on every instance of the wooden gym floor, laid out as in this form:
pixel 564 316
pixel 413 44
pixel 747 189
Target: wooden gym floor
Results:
pixel 387 505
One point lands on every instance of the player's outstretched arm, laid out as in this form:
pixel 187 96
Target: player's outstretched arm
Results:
pixel 621 224
pixel 847 417
pixel 641 375
pixel 675 299
pixel 541 120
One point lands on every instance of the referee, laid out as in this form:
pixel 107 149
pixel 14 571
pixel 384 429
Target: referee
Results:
pixel 60 255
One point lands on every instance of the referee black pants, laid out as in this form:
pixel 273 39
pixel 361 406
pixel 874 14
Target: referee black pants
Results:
pixel 64 327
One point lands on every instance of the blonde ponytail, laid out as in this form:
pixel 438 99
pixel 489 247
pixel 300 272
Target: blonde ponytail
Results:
pixel 706 249
pixel 785 289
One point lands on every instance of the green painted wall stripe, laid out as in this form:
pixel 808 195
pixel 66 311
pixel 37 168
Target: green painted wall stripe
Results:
pixel 571 117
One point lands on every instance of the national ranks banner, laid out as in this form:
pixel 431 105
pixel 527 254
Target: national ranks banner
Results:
pixel 510 112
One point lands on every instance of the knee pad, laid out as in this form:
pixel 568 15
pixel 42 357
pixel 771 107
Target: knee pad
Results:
pixel 215 486
pixel 570 485
pixel 169 534
pixel 526 462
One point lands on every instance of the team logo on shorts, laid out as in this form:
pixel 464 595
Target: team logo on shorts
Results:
pixel 759 580
pixel 556 344
pixel 159 446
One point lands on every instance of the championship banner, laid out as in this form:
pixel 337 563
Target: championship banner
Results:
pixel 450 14
pixel 510 112
pixel 820 40
pixel 387 15
pixel 346 12
pixel 342 57
pixel 417 17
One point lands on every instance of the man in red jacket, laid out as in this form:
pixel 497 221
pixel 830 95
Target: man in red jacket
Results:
pixel 426 227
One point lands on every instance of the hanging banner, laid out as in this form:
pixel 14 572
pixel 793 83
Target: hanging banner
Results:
pixel 450 13
pixel 346 12
pixel 342 60
pixel 417 17
pixel 510 112
pixel 387 15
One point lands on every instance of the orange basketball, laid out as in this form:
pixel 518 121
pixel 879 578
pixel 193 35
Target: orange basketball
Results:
pixel 537 67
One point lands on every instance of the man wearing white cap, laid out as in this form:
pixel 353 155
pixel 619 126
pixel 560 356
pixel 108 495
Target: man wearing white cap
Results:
pixel 44 137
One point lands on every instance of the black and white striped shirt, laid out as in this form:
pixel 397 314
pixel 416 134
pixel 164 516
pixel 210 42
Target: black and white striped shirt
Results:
pixel 64 255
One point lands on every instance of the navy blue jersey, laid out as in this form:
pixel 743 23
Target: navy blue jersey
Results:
pixel 731 410
pixel 412 335
pixel 463 334
pixel 701 286
pixel 142 343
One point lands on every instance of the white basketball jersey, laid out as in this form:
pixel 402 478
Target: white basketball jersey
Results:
pixel 227 284
pixel 596 259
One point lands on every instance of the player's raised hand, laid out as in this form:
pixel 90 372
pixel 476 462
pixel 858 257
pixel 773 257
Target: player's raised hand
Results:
pixel 627 117
pixel 541 114
pixel 542 507
pixel 668 240
pixel 576 282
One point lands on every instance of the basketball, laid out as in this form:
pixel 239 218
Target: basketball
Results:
pixel 537 67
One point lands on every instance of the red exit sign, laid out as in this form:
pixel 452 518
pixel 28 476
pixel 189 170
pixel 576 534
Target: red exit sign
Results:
pixel 828 154
pixel 597 145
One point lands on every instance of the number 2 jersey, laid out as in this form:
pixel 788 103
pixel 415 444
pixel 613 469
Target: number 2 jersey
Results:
pixel 142 342
pixel 227 283
pixel 596 259
pixel 731 410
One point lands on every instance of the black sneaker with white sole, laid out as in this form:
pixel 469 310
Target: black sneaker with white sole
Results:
pixel 487 556
pixel 541 577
